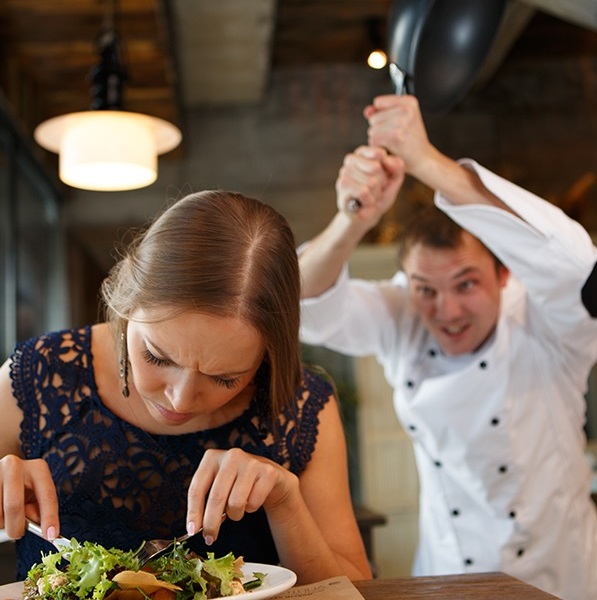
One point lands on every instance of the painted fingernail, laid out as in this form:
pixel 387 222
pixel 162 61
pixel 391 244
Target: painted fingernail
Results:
pixel 191 528
pixel 208 540
pixel 51 533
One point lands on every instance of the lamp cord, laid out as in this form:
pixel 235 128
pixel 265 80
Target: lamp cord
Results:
pixel 109 75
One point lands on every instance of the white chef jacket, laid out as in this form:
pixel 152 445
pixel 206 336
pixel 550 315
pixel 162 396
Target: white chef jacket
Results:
pixel 498 434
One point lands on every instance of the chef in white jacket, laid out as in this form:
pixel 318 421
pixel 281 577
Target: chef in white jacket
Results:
pixel 487 345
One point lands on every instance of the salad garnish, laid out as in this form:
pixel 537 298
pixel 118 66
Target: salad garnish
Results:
pixel 89 571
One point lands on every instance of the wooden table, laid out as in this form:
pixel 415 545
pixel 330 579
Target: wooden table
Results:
pixel 482 586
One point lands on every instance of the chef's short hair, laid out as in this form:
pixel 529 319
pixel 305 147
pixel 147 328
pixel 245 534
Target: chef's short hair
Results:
pixel 433 228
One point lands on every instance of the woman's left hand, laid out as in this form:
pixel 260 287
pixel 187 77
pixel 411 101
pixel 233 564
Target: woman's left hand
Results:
pixel 233 482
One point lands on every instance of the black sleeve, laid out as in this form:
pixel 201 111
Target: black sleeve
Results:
pixel 588 293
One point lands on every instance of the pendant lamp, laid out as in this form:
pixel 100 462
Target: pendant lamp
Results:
pixel 107 148
pixel 377 58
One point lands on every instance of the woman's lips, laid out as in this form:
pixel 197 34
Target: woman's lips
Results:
pixel 172 416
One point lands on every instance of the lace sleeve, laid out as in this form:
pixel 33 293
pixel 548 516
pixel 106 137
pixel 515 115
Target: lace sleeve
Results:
pixel 302 429
pixel 48 373
pixel 23 378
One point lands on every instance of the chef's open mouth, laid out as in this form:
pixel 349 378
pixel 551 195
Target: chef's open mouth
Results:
pixel 454 330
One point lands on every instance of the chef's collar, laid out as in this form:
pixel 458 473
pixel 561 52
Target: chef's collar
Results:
pixel 450 363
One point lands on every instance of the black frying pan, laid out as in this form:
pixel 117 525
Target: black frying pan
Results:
pixel 436 47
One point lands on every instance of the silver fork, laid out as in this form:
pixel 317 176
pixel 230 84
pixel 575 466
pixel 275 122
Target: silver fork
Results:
pixel 59 542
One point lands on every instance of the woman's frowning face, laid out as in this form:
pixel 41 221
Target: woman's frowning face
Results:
pixel 192 371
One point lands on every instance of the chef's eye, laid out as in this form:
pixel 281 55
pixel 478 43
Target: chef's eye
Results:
pixel 425 292
pixel 466 285
pixel 154 360
pixel 227 383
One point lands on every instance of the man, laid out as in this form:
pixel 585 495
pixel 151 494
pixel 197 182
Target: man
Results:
pixel 486 342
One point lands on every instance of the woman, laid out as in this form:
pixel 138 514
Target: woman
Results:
pixel 188 403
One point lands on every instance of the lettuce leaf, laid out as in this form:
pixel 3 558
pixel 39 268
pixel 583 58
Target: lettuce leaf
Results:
pixel 83 570
pixel 223 569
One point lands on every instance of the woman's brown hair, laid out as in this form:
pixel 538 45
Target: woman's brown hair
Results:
pixel 224 254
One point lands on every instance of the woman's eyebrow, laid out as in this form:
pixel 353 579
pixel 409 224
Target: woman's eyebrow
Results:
pixel 164 356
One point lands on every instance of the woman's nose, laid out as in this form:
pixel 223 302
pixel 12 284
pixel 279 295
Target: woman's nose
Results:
pixel 182 392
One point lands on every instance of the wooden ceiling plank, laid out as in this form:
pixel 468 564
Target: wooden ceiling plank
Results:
pixel 516 18
pixel 74 7
pixel 579 12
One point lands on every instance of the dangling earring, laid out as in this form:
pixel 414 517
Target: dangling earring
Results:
pixel 124 365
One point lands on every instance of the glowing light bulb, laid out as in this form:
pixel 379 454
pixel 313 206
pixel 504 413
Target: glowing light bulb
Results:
pixel 377 59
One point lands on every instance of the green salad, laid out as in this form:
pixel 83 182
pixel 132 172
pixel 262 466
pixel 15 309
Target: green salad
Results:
pixel 91 572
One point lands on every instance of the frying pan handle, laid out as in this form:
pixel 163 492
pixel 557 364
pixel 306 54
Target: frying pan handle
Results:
pixel 398 77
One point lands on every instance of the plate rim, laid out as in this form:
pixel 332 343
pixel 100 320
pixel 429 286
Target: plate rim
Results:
pixel 265 592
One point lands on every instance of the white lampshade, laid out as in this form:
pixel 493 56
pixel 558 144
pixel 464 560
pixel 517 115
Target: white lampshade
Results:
pixel 107 150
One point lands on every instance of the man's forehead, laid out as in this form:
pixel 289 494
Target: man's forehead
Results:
pixel 424 261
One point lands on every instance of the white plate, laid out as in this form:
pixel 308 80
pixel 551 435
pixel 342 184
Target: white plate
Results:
pixel 277 581
pixel 11 591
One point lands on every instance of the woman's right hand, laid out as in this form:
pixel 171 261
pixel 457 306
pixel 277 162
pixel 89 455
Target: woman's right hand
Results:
pixel 234 482
pixel 27 491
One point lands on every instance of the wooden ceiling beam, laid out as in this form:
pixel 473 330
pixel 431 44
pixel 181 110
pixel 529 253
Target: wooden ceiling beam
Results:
pixel 516 18
pixel 578 12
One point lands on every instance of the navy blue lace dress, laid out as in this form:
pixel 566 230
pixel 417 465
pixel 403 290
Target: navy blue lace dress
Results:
pixel 117 484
